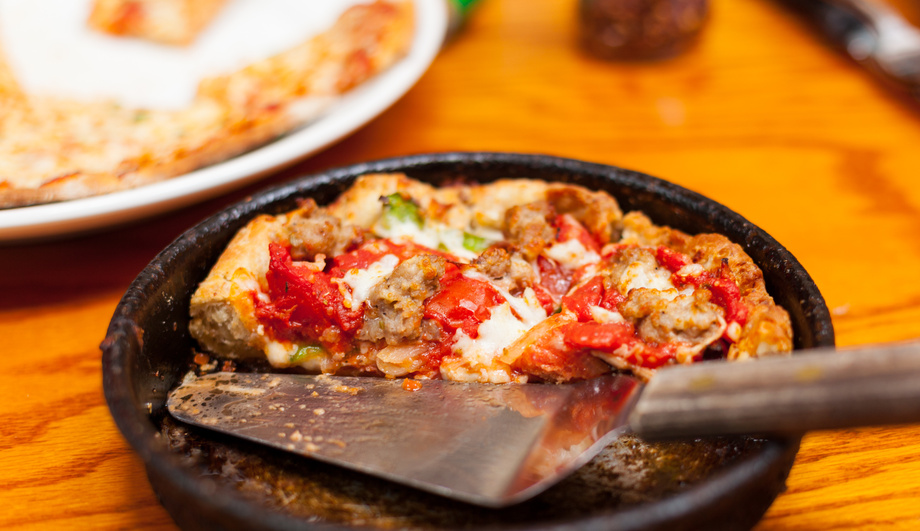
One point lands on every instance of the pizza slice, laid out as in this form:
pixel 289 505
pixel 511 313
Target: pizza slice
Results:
pixel 176 22
pixel 517 280
pixel 54 149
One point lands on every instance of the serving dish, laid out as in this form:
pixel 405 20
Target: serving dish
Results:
pixel 206 481
pixel 346 115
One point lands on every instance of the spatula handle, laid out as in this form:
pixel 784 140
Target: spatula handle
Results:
pixel 809 391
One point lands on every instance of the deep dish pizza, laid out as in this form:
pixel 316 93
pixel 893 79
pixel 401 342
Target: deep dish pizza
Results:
pixel 54 149
pixel 517 280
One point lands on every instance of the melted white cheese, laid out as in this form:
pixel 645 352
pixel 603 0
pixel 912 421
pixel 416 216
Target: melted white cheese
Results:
pixel 641 275
pixel 602 315
pixel 527 307
pixel 362 281
pixel 479 359
pixel 279 354
pixel 432 235
pixel 406 230
pixel 495 334
pixel 572 254
pixel 452 241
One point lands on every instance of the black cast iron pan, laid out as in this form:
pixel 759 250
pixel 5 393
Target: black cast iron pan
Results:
pixel 207 482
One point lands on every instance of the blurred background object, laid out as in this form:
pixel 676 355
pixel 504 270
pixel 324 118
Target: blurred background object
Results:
pixel 458 10
pixel 640 29
pixel 873 33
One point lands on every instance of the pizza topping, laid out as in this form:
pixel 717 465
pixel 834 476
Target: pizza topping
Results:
pixel 530 227
pixel 462 303
pixel 361 281
pixel 475 244
pixel 402 220
pixel 478 354
pixel 396 304
pixel 312 232
pixel 505 269
pixel 419 293
pixel 176 22
pixel 305 353
pixel 725 291
pixel 545 354
pixel 690 321
pixel 617 344
pixel 306 304
pixel 597 212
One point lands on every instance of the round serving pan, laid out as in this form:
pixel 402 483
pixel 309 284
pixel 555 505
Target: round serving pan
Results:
pixel 148 348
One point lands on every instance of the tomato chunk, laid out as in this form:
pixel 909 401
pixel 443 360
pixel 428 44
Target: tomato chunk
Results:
pixel 610 337
pixel 606 337
pixel 305 303
pixel 462 303
pixel 670 259
pixel 568 228
pixel 725 293
pixel 591 293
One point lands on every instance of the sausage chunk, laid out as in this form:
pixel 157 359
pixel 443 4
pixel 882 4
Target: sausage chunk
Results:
pixel 689 319
pixel 597 211
pixel 530 227
pixel 396 305
pixel 312 231
pixel 506 267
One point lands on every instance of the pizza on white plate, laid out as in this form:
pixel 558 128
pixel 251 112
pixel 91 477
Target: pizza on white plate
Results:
pixel 54 149
pixel 512 281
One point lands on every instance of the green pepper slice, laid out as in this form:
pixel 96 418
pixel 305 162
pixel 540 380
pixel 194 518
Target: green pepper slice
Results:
pixel 307 352
pixel 399 208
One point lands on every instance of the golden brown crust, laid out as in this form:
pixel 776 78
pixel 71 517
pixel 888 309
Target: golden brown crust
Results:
pixel 222 310
pixel 52 150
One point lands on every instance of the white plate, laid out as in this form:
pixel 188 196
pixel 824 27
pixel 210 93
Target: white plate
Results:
pixel 348 114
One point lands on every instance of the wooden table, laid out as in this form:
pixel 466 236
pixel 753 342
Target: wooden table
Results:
pixel 760 116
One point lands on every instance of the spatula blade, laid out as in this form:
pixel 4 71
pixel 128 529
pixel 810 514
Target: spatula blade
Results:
pixel 491 445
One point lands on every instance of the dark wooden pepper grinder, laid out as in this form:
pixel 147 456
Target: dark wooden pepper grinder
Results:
pixel 640 29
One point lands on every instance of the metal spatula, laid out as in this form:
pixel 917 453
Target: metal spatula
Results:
pixel 495 445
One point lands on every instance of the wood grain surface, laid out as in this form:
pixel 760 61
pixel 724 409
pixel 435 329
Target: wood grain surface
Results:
pixel 760 115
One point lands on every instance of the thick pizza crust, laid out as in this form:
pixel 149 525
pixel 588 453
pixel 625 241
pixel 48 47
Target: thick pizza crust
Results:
pixel 53 150
pixel 222 309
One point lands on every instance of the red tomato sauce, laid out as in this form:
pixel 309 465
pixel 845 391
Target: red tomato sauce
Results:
pixel 552 355
pixel 437 350
pixel 305 304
